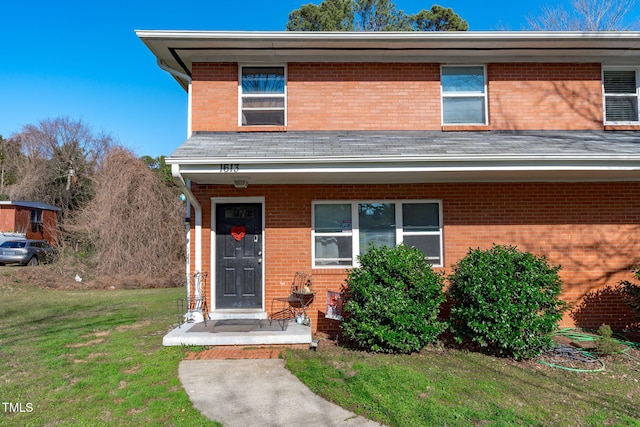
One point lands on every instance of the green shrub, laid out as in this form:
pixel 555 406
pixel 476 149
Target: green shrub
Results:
pixel 392 301
pixel 506 301
pixel 631 293
pixel 605 344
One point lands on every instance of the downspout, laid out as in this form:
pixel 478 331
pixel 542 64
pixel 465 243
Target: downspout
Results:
pixel 186 187
pixel 191 199
pixel 193 313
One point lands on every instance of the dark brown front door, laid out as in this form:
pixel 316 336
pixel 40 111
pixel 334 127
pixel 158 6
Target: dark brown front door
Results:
pixel 239 256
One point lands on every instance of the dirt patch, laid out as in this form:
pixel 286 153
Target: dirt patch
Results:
pixel 345 368
pixel 134 326
pixel 96 355
pixel 85 344
pixel 97 334
pixel 132 370
pixel 61 275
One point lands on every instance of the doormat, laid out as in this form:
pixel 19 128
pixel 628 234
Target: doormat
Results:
pixel 236 325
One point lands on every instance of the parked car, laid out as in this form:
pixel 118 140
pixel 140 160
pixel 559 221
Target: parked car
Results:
pixel 26 252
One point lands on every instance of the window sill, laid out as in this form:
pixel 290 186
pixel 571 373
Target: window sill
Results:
pixel 622 127
pixel 330 271
pixel 466 128
pixel 262 128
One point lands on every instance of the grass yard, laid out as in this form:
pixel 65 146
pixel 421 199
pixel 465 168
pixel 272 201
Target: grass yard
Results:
pixel 95 357
pixel 90 358
pixel 444 387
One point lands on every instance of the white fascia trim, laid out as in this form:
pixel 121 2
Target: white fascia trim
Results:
pixel 582 36
pixel 407 163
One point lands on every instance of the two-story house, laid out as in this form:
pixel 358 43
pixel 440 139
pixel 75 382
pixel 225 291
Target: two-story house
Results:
pixel 304 148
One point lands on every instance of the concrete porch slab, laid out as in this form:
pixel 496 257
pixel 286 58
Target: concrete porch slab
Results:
pixel 239 332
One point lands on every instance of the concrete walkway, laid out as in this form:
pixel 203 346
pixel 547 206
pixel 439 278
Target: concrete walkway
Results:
pixel 258 392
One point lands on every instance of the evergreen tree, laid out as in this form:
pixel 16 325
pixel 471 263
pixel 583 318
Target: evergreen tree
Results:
pixel 371 15
pixel 439 19
pixel 330 15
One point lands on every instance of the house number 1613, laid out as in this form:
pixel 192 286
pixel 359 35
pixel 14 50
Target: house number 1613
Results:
pixel 229 167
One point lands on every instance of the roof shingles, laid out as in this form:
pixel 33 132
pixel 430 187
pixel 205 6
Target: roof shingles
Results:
pixel 366 144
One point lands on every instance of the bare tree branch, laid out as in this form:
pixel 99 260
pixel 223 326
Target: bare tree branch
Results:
pixel 134 223
pixel 59 158
pixel 585 15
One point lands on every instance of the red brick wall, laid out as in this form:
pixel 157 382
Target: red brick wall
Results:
pixel 214 97
pixel 545 96
pixel 376 96
pixel 591 229
pixel 363 96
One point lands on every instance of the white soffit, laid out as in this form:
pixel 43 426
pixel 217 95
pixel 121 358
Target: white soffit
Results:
pixel 180 49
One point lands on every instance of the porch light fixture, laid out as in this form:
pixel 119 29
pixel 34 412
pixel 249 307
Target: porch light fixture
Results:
pixel 241 183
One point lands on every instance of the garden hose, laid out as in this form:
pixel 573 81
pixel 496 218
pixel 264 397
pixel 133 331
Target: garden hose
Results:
pixel 585 356
pixel 575 354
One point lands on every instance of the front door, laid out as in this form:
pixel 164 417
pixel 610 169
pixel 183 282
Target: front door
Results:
pixel 239 256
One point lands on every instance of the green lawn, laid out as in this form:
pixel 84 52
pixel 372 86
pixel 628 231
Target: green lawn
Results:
pixel 90 358
pixel 93 358
pixel 444 387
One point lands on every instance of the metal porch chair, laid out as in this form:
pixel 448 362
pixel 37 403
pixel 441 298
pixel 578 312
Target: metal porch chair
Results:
pixel 294 305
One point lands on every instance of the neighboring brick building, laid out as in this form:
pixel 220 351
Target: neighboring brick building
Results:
pixel 32 220
pixel 304 148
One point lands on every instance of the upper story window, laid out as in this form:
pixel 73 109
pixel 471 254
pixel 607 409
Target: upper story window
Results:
pixel 262 96
pixel 621 95
pixel 464 95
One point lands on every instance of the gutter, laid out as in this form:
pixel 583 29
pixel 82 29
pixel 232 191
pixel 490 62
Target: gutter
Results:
pixel 479 159
pixel 379 39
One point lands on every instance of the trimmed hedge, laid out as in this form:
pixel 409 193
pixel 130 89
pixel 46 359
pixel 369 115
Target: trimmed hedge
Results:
pixel 392 301
pixel 505 301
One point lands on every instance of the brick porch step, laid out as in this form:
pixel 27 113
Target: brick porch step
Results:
pixel 242 352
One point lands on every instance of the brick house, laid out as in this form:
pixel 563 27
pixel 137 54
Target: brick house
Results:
pixel 31 220
pixel 304 148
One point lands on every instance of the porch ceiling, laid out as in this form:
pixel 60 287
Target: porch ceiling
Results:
pixel 407 157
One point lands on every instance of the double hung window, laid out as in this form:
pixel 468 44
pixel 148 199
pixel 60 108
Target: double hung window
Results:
pixel 621 95
pixel 262 96
pixel 464 95
pixel 343 230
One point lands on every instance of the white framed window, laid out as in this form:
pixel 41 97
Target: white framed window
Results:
pixel 620 88
pixel 464 94
pixel 262 93
pixel 344 229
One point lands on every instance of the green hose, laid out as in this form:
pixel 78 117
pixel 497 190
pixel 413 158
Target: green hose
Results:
pixel 574 335
pixel 553 365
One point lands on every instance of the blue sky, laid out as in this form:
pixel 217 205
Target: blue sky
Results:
pixel 82 59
